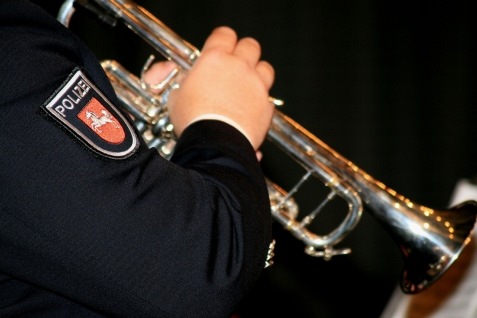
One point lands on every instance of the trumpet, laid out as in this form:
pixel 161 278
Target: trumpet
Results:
pixel 430 240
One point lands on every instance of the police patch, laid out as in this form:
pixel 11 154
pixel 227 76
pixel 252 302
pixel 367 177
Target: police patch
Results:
pixel 83 109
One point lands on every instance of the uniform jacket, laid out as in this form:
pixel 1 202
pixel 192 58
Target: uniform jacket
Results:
pixel 95 226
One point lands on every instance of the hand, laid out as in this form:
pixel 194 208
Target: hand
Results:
pixel 228 82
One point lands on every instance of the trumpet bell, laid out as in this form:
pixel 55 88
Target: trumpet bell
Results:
pixel 430 244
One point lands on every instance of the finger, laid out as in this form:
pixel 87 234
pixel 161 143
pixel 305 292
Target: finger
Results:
pixel 223 38
pixel 249 50
pixel 158 72
pixel 266 72
pixel 259 155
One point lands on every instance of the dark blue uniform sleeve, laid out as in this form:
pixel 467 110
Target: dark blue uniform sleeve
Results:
pixel 86 233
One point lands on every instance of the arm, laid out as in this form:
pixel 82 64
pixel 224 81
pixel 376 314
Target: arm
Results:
pixel 132 236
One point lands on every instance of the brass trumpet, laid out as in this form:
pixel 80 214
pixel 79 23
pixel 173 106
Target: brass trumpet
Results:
pixel 430 240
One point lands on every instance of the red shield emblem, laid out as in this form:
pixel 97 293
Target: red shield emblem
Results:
pixel 100 120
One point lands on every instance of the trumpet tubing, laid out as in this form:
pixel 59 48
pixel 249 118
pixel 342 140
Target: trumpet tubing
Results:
pixel 430 240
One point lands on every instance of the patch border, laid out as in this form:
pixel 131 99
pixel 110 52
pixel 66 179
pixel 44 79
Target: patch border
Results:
pixel 57 95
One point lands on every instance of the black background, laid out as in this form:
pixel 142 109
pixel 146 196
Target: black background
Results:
pixel 388 85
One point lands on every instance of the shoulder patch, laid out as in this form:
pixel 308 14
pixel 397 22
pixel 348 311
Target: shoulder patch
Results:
pixel 82 108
